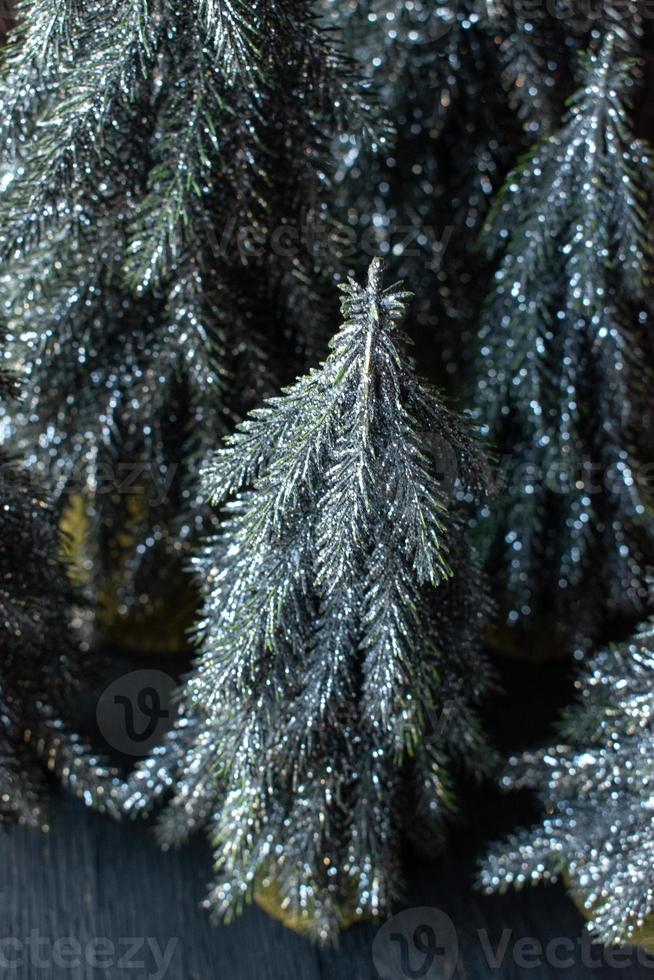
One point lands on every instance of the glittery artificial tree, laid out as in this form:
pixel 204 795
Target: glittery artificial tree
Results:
pixel 467 86
pixel 421 197
pixel 563 373
pixel 181 185
pixel 40 664
pixel 596 786
pixel 341 628
pixel 151 153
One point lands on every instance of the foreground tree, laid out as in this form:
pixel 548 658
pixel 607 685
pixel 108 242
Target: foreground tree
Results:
pixel 596 787
pixel 342 619
pixel 562 370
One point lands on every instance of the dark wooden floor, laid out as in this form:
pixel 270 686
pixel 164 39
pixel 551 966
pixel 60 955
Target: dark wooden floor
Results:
pixel 105 890
pixel 91 880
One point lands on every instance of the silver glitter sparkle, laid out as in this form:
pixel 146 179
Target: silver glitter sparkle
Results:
pixel 149 155
pixel 596 790
pixel 39 669
pixel 562 368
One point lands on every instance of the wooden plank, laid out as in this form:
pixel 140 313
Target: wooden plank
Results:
pixel 91 879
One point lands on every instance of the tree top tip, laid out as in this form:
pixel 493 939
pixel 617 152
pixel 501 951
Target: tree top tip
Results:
pixel 376 274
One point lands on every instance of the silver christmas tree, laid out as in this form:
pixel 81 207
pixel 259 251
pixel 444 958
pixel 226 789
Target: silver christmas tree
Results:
pixel 597 791
pixel 40 664
pixel 154 150
pixel 563 368
pixel 342 620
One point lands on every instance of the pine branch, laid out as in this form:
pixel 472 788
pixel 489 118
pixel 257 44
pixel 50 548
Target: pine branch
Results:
pixel 239 33
pixel 532 51
pixel 560 351
pixel 40 667
pixel 46 33
pixel 597 794
pixel 149 139
pixel 68 137
pixel 420 191
pixel 185 154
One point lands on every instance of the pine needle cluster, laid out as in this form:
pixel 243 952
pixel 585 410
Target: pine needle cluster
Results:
pixel 40 667
pixel 152 153
pixel 562 373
